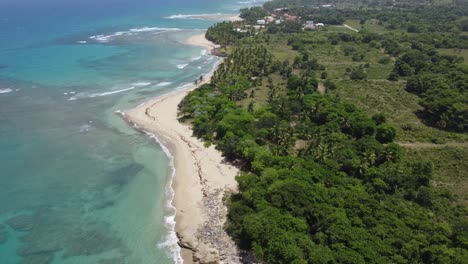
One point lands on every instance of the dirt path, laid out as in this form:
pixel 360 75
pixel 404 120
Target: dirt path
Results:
pixel 353 29
pixel 321 88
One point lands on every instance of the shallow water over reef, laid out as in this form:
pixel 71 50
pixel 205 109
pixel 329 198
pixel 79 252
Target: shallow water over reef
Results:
pixel 77 184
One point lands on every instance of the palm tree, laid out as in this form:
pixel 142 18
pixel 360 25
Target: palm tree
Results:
pixel 369 158
pixel 322 152
pixel 387 156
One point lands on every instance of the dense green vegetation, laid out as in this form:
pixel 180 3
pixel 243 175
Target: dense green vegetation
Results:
pixel 316 128
pixel 251 15
pixel 223 33
pixel 442 83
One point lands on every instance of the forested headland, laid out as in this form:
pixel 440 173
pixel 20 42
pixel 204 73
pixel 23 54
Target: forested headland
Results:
pixel 352 136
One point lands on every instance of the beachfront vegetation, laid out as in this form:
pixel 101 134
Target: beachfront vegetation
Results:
pixel 352 144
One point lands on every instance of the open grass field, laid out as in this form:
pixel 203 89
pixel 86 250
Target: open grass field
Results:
pixel 447 151
pixel 399 106
pixel 261 93
pixel 450 168
pixel 374 95
pixel 371 25
pixel 457 52
pixel 278 46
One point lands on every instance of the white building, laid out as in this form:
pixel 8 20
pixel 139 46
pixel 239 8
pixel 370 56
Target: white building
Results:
pixel 309 25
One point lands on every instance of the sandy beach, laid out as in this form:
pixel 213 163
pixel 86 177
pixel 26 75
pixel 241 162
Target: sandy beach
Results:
pixel 234 18
pixel 202 177
pixel 201 41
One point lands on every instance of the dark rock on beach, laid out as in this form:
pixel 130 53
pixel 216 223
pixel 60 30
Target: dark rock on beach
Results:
pixel 219 53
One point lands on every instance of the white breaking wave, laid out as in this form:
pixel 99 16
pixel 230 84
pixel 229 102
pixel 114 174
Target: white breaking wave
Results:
pixel 103 38
pixel 193 16
pixel 213 16
pixel 148 29
pixel 7 90
pixel 181 66
pixel 171 241
pixel 92 95
pixel 85 128
pixel 139 84
pixel 164 84
pixel 195 58
pixel 107 38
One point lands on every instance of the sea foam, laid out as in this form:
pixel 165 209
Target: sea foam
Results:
pixel 213 16
pixel 101 38
pixel 171 241
pixel 140 84
pixel 148 29
pixel 92 95
pixel 193 16
pixel 7 90
pixel 85 128
pixel 162 84
pixel 181 66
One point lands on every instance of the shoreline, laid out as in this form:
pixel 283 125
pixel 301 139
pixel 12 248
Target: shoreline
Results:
pixel 201 177
pixel 201 41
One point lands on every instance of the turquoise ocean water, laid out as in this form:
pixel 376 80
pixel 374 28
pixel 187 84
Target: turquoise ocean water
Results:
pixel 77 184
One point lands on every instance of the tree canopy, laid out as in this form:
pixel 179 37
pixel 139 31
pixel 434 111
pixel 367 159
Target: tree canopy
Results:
pixel 322 181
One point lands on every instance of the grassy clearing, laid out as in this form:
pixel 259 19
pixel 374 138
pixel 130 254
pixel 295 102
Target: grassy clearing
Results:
pixel 339 29
pixel 338 58
pixel 277 45
pixel 371 25
pixel 376 95
pixel 450 168
pixel 400 107
pixel 457 52
pixel 260 93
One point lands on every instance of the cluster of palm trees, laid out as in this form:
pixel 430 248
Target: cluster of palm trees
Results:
pixel 252 61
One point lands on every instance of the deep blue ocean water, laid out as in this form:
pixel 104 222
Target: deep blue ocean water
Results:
pixel 77 184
